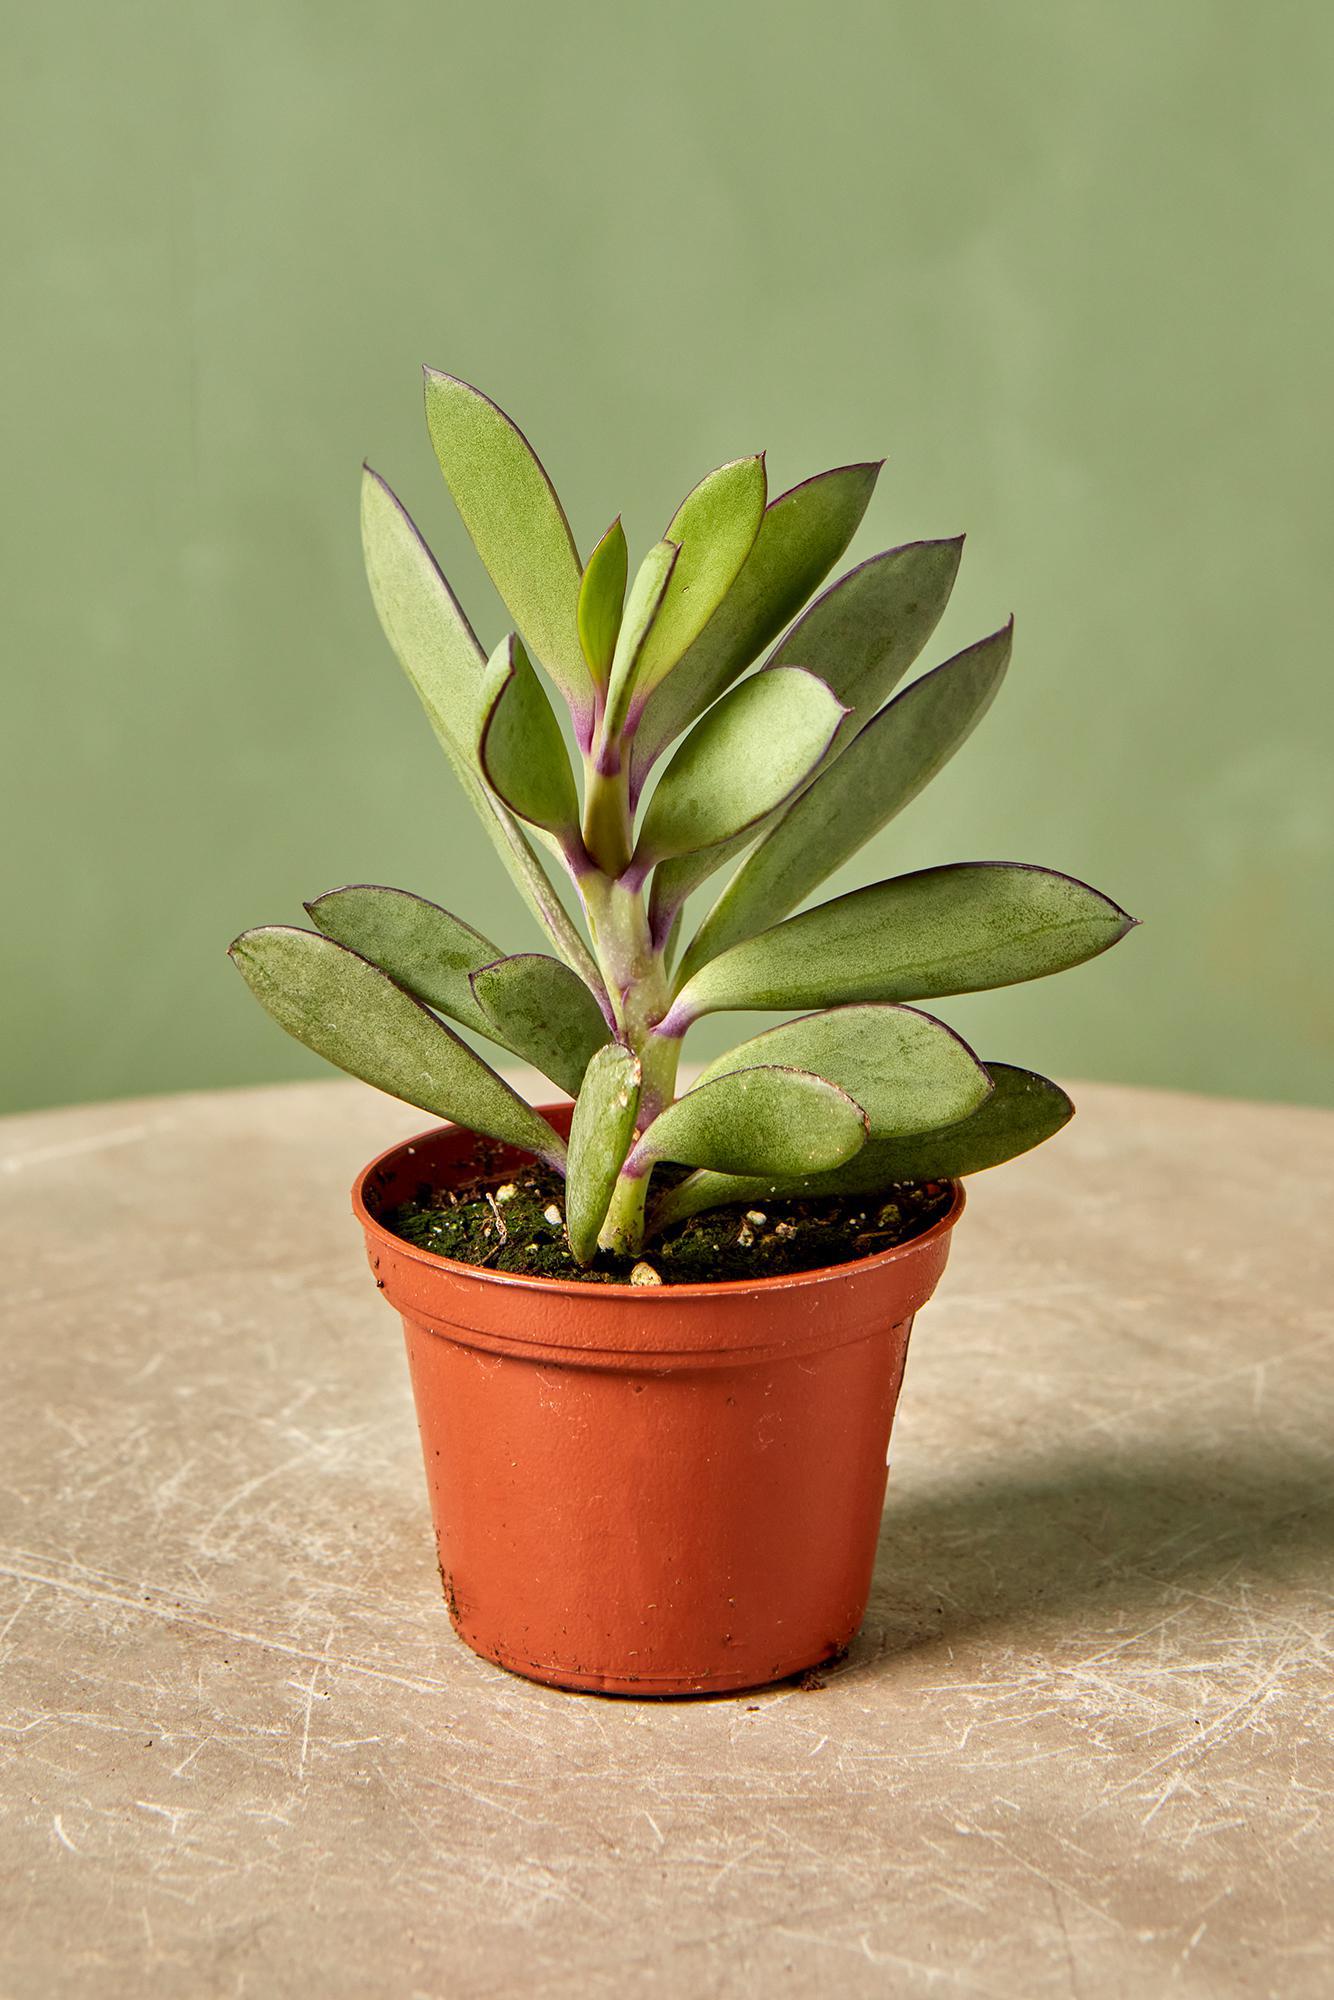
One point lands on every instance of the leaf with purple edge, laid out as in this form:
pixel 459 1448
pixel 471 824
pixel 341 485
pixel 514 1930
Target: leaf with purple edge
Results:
pixel 646 598
pixel 881 771
pixel 802 535
pixel 907 1071
pixel 601 1130
pixel 518 527
pixel 861 637
pixel 542 1011
pixel 1023 1111
pixel 424 949
pixel 352 1014
pixel 601 597
pixel 745 756
pixel 421 616
pixel 957 929
pixel 715 528
pixel 865 631
pixel 520 746
pixel 781 1121
pixel 439 653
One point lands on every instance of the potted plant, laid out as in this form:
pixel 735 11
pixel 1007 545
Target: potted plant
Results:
pixel 656 1336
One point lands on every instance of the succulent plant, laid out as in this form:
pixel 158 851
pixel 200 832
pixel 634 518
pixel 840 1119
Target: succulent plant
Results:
pixel 787 771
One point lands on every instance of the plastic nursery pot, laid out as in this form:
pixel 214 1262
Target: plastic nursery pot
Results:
pixel 649 1491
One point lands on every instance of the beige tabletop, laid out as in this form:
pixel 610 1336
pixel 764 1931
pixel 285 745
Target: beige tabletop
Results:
pixel 1081 1748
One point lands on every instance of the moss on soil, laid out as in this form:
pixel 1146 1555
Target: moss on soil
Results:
pixel 516 1223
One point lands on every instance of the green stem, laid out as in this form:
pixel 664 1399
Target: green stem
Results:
pixel 637 982
pixel 623 1231
pixel 608 816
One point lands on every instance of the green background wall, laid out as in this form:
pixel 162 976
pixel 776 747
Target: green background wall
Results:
pixel 1068 266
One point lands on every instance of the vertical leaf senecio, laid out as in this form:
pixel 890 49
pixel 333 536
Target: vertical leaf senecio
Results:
pixel 795 750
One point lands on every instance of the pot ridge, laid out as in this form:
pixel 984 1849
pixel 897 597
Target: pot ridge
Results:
pixel 727 1321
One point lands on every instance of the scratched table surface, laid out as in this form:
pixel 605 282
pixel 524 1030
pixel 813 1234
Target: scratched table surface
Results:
pixel 1082 1746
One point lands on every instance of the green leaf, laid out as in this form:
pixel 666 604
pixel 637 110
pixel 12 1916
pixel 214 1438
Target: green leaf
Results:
pixel 353 1015
pixel 518 527
pixel 646 597
pixel 860 637
pixel 881 771
pixel 802 536
pixel 778 1121
pixel 907 1071
pixel 600 1133
pixel 749 753
pixel 1022 1111
pixel 956 929
pixel 866 630
pixel 601 595
pixel 715 527
pixel 520 746
pixel 543 1012
pixel 443 661
pixel 422 620
pixel 424 949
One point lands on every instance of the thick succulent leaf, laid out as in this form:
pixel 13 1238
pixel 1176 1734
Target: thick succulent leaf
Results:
pixel 518 527
pixel 865 631
pixel 601 596
pixel 715 528
pixel 957 929
pixel 907 1071
pixel 352 1014
pixel 601 1129
pixel 881 771
pixel 778 1121
pixel 520 746
pixel 860 637
pixel 802 536
pixel 1022 1111
pixel 436 648
pixel 424 949
pixel 543 1012
pixel 749 753
pixel 647 593
pixel 420 614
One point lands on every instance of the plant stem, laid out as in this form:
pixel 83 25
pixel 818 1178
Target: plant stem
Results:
pixel 637 982
pixel 608 816
pixel 623 1231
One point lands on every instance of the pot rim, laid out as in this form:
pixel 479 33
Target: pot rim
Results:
pixel 649 1295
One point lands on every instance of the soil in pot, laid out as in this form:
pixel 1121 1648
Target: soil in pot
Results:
pixel 514 1222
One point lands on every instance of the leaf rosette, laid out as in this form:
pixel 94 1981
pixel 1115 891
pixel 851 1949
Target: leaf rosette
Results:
pixel 640 730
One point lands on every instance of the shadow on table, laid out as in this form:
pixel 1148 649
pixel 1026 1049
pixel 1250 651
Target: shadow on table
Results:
pixel 1116 1533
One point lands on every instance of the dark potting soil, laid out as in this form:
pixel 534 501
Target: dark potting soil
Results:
pixel 516 1223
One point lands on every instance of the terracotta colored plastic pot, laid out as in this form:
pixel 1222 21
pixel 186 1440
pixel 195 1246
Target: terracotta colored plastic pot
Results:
pixel 657 1491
